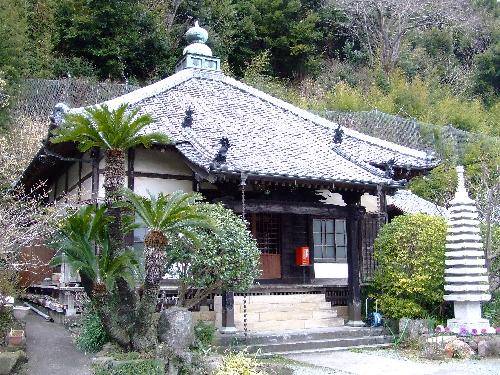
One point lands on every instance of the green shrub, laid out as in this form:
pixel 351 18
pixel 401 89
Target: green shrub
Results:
pixel 239 364
pixel 204 334
pixel 134 367
pixel 410 273
pixel 92 336
pixel 491 309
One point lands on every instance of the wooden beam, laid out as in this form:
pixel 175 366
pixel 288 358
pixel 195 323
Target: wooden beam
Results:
pixel 297 208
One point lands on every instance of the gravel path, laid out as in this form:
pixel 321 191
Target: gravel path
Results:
pixel 390 362
pixel 51 350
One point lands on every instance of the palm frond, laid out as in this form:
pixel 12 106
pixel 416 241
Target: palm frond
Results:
pixel 107 129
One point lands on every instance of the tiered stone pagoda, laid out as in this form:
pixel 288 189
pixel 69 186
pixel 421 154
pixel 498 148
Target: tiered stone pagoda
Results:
pixel 466 277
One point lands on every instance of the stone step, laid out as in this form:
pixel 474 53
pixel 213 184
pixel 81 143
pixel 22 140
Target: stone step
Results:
pixel 280 316
pixel 280 325
pixel 285 307
pixel 316 345
pixel 286 336
pixel 328 350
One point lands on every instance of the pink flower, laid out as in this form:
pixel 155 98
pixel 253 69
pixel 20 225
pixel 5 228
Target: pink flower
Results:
pixel 463 331
pixel 474 331
pixel 497 330
pixel 484 331
pixel 447 329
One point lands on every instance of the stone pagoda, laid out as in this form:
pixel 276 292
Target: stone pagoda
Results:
pixel 466 277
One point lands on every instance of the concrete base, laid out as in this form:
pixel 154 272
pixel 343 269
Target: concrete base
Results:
pixel 468 315
pixel 355 323
pixel 228 330
pixel 456 325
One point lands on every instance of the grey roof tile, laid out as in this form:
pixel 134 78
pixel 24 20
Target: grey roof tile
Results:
pixel 268 137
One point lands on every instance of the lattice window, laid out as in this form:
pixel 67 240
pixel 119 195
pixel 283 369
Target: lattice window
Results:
pixel 330 239
pixel 266 229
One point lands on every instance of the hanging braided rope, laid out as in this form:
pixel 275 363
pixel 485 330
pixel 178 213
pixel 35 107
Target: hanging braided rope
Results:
pixel 243 208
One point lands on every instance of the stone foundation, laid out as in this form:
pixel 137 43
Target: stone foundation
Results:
pixel 283 312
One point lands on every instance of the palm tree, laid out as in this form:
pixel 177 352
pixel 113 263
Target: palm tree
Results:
pixel 76 241
pixel 166 217
pixel 114 131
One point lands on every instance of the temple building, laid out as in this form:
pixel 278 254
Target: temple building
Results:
pixel 300 181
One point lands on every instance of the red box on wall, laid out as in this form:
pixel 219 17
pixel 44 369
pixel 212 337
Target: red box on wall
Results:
pixel 302 256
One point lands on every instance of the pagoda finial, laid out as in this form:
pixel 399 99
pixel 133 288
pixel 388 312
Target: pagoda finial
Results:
pixel 461 182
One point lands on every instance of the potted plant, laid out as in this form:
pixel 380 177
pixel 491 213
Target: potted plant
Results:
pixel 15 337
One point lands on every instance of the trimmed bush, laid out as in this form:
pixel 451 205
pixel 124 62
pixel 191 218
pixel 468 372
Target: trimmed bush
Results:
pixel 204 334
pixel 133 367
pixel 92 336
pixel 410 273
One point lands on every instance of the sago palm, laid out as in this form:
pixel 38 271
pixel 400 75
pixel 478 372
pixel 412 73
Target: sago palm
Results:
pixel 76 243
pixel 165 217
pixel 114 131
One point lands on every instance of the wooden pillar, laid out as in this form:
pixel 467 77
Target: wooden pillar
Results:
pixel 94 154
pixel 228 313
pixel 356 212
pixel 129 237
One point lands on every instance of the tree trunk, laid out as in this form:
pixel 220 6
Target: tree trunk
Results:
pixel 114 179
pixel 144 336
pixel 112 327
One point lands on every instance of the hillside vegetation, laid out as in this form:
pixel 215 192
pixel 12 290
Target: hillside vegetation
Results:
pixel 437 61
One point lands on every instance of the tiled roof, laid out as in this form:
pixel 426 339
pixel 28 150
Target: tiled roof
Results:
pixel 268 137
pixel 409 203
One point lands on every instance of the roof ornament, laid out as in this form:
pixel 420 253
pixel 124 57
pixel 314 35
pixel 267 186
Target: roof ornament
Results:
pixel 58 113
pixel 188 119
pixel 197 38
pixel 221 157
pixel 338 135
pixel 389 168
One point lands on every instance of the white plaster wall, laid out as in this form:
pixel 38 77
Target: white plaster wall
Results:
pixel 330 270
pixel 86 167
pixel 86 189
pixel 145 185
pixel 155 161
pixel 331 198
pixel 370 202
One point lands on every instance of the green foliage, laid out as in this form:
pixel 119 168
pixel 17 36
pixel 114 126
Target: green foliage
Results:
pixel 491 309
pixel 239 364
pixel 227 259
pixel 77 240
pixel 118 37
pixel 204 334
pixel 6 320
pixel 171 214
pixel 92 335
pixel 118 129
pixel 438 186
pixel 410 274
pixel 132 367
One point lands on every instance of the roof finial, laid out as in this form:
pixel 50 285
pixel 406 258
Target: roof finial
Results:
pixel 197 36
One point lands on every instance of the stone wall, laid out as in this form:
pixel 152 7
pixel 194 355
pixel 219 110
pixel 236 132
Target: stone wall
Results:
pixel 283 312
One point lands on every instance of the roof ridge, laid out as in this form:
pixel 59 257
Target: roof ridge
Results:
pixel 321 120
pixel 146 92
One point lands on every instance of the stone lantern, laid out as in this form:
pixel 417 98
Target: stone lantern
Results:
pixel 466 277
